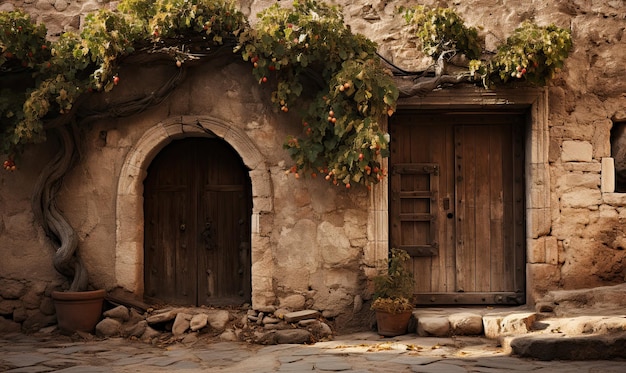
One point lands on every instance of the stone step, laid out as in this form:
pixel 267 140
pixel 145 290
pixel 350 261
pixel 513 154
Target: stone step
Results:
pixel 582 347
pixel 525 333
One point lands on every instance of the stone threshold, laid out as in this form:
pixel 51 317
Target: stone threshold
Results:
pixel 581 334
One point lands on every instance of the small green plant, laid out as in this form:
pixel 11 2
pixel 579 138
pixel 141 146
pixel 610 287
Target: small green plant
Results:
pixel 442 30
pixel 393 288
pixel 532 54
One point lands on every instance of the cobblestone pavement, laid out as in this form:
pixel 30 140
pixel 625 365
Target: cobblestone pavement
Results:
pixel 360 352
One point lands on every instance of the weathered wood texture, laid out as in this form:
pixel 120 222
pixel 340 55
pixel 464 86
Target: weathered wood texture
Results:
pixel 457 199
pixel 197 231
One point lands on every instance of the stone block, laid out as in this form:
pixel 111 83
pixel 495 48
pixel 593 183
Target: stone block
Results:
pixel 576 151
pixel 518 323
pixel 537 251
pixel 539 222
pixel 181 323
pixel 108 328
pixel 47 306
pixel 166 315
pixel 551 250
pixel 149 334
pixel 198 322
pixel 36 321
pixel 541 278
pixel 293 302
pixel 135 330
pixel 608 175
pixel 292 317
pixel 229 336
pixel 20 314
pixel 592 347
pixel 292 336
pixel 218 319
pixel 120 313
pixel 582 167
pixel 437 326
pixel 466 323
pixel 574 180
pixel 492 326
pixel 8 306
pixel 581 197
pixel 11 289
pixel 9 326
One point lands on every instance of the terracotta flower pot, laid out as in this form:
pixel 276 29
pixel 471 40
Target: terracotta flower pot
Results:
pixel 78 310
pixel 392 324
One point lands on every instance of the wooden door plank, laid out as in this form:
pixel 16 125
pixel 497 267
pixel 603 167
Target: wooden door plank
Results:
pixel 423 266
pixel 168 264
pixel 419 152
pixel 437 140
pixel 498 144
pixel 448 243
pixel 224 242
pixel 519 283
pixel 466 210
pixel 483 165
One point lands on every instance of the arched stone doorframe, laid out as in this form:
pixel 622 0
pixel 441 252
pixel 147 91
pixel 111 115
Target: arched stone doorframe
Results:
pixel 129 202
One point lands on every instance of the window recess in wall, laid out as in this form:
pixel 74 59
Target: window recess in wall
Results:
pixel 618 155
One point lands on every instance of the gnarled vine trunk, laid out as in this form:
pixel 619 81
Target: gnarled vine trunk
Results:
pixel 57 228
pixel 66 259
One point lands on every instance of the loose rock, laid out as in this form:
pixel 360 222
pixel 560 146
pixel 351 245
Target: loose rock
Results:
pixel 119 313
pixel 181 323
pixel 198 321
pixel 301 315
pixel 108 327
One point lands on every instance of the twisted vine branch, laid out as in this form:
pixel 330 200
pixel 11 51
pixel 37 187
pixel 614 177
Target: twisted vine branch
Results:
pixel 57 228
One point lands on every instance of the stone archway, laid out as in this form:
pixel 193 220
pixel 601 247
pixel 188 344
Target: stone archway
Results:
pixel 129 202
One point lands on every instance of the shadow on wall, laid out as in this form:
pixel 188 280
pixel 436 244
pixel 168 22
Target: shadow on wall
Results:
pixel 618 153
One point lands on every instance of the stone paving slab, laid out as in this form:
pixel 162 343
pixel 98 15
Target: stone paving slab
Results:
pixel 358 353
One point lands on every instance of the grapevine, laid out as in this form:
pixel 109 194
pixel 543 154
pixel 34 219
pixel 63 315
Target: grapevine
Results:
pixel 291 50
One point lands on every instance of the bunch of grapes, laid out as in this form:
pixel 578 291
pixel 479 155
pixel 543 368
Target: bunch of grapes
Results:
pixel 9 165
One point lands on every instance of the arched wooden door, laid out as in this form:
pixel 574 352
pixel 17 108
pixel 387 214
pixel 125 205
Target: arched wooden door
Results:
pixel 197 210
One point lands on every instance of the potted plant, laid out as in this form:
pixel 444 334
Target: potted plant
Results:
pixel 393 292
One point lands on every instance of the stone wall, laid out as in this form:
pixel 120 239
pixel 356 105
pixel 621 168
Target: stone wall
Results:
pixel 315 247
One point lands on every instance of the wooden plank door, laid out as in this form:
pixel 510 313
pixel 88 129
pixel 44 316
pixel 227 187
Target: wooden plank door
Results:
pixel 224 216
pixel 197 206
pixel 169 257
pixel 457 205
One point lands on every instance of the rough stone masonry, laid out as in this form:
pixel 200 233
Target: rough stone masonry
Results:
pixel 312 241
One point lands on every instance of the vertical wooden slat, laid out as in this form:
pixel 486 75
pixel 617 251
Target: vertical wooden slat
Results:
pixel 466 207
pixel 483 165
pixel 168 266
pixel 497 148
pixel 519 284
pixel 437 139
pixel 448 246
